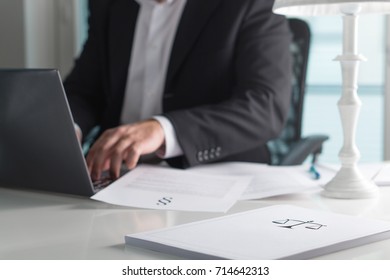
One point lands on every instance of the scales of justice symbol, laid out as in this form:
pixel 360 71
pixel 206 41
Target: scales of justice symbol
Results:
pixel 292 223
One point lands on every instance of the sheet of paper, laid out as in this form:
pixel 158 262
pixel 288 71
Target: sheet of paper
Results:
pixel 275 232
pixel 267 180
pixel 382 178
pixel 378 172
pixel 158 187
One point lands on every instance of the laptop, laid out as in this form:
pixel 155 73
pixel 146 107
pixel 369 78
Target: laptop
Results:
pixel 38 144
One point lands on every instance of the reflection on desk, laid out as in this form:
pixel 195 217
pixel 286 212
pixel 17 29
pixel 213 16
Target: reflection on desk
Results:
pixel 36 225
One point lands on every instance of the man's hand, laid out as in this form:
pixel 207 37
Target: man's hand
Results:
pixel 79 134
pixel 125 143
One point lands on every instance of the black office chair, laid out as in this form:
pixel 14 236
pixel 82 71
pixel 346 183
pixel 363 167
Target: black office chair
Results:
pixel 290 148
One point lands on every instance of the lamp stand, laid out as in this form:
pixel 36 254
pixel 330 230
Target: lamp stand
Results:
pixel 349 182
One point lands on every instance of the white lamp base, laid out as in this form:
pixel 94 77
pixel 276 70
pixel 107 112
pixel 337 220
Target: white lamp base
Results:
pixel 349 183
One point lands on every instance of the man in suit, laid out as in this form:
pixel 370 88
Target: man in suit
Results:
pixel 195 81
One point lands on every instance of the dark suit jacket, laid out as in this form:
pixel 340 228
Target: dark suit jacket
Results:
pixel 227 89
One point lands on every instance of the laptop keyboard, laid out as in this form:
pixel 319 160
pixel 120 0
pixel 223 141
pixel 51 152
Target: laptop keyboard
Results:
pixel 106 179
pixel 102 183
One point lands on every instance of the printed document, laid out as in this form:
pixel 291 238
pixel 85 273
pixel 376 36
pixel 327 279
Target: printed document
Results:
pixel 165 188
pixel 382 178
pixel 275 232
pixel 379 173
pixel 267 180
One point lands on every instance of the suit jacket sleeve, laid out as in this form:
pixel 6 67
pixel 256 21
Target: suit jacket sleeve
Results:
pixel 256 105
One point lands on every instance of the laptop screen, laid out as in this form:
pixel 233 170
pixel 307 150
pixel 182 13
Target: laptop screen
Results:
pixel 38 145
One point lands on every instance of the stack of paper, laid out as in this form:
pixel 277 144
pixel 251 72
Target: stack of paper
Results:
pixel 216 187
pixel 210 188
pixel 276 232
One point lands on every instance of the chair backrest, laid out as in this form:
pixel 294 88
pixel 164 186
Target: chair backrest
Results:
pixel 292 130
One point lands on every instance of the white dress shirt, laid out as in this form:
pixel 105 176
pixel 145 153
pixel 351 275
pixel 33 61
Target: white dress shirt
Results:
pixel 152 44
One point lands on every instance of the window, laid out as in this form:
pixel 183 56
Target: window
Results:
pixel 82 29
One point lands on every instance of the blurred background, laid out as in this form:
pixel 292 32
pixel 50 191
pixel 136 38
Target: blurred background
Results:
pixel 51 33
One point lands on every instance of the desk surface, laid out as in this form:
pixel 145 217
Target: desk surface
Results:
pixel 37 225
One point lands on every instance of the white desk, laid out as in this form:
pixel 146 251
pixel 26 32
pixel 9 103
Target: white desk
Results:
pixel 37 225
